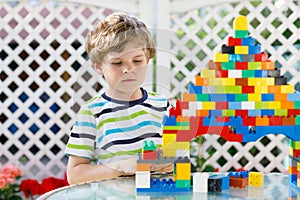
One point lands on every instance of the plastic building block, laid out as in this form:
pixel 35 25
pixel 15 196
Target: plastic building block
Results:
pixel 240 23
pixel 142 179
pixel 256 179
pixel 218 183
pixel 149 146
pixel 238 182
pixel 200 182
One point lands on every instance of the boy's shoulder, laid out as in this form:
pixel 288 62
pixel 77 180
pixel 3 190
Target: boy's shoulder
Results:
pixel 97 101
pixel 157 99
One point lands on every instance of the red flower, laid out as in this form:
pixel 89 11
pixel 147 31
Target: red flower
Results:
pixel 30 187
pixel 51 183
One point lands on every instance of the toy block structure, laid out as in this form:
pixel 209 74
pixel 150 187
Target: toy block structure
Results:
pixel 241 97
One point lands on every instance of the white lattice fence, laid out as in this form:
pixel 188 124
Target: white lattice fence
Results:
pixel 200 32
pixel 45 76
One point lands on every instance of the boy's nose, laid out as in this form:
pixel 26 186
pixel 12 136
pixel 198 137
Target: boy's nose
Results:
pixel 128 68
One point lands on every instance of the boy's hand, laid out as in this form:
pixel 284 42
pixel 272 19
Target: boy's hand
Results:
pixel 127 166
pixel 162 167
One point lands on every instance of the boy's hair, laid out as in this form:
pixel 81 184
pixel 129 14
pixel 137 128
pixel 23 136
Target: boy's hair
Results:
pixel 114 33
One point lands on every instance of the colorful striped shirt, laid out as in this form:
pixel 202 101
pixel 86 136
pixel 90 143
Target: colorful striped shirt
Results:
pixel 109 130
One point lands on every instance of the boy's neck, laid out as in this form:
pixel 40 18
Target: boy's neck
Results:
pixel 122 96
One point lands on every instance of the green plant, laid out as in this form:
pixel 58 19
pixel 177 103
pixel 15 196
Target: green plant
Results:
pixel 9 178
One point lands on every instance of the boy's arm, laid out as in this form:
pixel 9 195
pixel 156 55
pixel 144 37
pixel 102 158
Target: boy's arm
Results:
pixel 79 170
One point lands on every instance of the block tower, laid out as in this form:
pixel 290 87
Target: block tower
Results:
pixel 240 97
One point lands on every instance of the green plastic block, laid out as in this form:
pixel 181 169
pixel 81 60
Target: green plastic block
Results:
pixel 297 121
pixel 254 65
pixel 295 145
pixel 202 97
pixel 241 33
pixel 261 105
pixel 248 73
pixel 173 128
pixel 241 97
pixel 228 65
pixel 183 183
pixel 233 89
pixel 228 113
pixel 149 146
pixel 182 123
pixel 280 112
pixel 297 104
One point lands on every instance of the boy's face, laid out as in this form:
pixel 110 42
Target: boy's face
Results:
pixel 124 71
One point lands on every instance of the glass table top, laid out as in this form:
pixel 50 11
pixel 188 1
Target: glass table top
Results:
pixel 276 186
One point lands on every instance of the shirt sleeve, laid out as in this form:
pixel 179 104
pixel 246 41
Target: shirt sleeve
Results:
pixel 83 134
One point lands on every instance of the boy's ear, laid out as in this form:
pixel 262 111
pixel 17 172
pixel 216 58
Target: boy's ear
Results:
pixel 98 69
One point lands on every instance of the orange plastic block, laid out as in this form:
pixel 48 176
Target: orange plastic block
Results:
pixel 199 81
pixel 287 104
pixel 274 89
pixel 292 170
pixel 142 167
pixel 288 121
pixel 262 121
pixel 241 81
pixel 188 97
pixel 185 119
pixel 267 65
pixel 179 119
pixel 202 113
pixel 280 97
pixel 238 182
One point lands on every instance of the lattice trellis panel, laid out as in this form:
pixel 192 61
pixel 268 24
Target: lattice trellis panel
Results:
pixel 201 32
pixel 45 76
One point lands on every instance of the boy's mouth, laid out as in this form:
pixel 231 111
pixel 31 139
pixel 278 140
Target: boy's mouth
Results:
pixel 129 80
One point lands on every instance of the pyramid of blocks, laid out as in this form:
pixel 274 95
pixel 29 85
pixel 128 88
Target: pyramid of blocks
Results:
pixel 241 97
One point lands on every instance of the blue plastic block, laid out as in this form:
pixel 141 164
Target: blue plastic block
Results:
pixel 215 113
pixel 254 113
pixel 254 49
pixel 241 174
pixel 192 89
pixel 230 97
pixel 217 97
pixel 225 183
pixel 293 178
pixel 249 41
pixel 169 121
pixel 267 112
pixel 267 97
pixel 293 97
pixel 234 105
pixel 261 73
pixel 235 57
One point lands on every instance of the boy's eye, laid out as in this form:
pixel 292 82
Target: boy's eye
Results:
pixel 137 61
pixel 116 63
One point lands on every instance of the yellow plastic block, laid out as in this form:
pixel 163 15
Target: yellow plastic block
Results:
pixel 208 73
pixel 240 23
pixel 291 152
pixel 221 57
pixel 256 179
pixel 298 167
pixel 257 82
pixel 270 81
pixel 286 89
pixel 183 145
pixel 298 182
pixel 261 89
pixel 296 145
pixel 254 97
pixel 208 105
pixel 183 171
pixel 274 105
pixel 228 81
pixel 168 138
pixel 215 81
pixel 169 153
pixel 241 50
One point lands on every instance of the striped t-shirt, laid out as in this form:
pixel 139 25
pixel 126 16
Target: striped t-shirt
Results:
pixel 109 130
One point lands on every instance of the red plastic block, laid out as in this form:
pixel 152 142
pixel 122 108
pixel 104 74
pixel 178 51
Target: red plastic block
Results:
pixel 222 74
pixel 293 112
pixel 275 121
pixel 296 153
pixel 184 105
pixel 242 113
pixel 221 105
pixel 261 57
pixel 249 121
pixel 222 119
pixel 234 41
pixel 196 128
pixel 241 65
pixel 231 136
pixel 219 65
pixel 150 155
pixel 248 89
